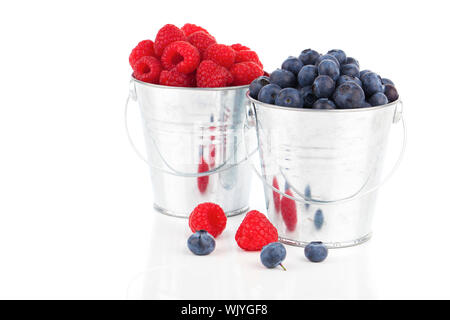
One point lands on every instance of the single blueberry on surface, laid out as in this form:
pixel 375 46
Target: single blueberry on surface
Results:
pixel 323 86
pixel 307 75
pixel 329 68
pixel 309 56
pixel 345 78
pixel 350 70
pixel 362 73
pixel 327 57
pixel 292 64
pixel 316 252
pixel 390 92
pixel 289 97
pixel 308 96
pixel 378 99
pixel 348 95
pixel 339 54
pixel 201 243
pixel 324 103
pixel 283 78
pixel 387 81
pixel 268 93
pixel 318 219
pixel 350 60
pixel 273 255
pixel 257 84
pixel 371 84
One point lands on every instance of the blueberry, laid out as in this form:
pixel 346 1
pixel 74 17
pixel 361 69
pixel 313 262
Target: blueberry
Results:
pixel 350 70
pixel 307 75
pixel 371 83
pixel 339 54
pixel 348 95
pixel 316 252
pixel 390 92
pixel 324 103
pixel 309 56
pixel 327 57
pixel 345 78
pixel 308 96
pixel 273 254
pixel 378 99
pixel 289 97
pixel 329 68
pixel 257 84
pixel 268 93
pixel 362 73
pixel 201 243
pixel 283 78
pixel 323 86
pixel 292 64
pixel 318 219
pixel 387 81
pixel 350 60
pixel 365 104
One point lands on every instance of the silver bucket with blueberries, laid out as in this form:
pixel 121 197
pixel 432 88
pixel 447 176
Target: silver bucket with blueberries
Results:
pixel 194 146
pixel 321 169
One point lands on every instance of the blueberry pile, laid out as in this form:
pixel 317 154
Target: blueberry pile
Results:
pixel 329 81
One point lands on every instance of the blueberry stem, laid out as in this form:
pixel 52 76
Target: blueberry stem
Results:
pixel 283 267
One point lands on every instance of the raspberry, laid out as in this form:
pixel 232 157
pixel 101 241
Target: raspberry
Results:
pixel 182 56
pixel 210 74
pixel 276 195
pixel 201 40
pixel 239 47
pixel 245 72
pixel 220 54
pixel 289 212
pixel 202 182
pixel 176 79
pixel 208 216
pixel 144 48
pixel 166 35
pixel 255 232
pixel 190 28
pixel 248 55
pixel 147 69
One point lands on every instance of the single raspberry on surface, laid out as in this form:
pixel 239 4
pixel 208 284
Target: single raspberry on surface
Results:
pixel 182 56
pixel 174 78
pixel 201 40
pixel 202 182
pixel 212 75
pixel 245 72
pixel 144 48
pixel 165 36
pixel 289 212
pixel 255 232
pixel 147 69
pixel 276 195
pixel 190 28
pixel 208 216
pixel 239 47
pixel 248 55
pixel 221 54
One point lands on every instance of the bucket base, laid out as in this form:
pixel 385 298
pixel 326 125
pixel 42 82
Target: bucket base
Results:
pixel 178 215
pixel 329 245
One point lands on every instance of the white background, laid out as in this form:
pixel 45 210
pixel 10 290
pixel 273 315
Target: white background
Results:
pixel 76 217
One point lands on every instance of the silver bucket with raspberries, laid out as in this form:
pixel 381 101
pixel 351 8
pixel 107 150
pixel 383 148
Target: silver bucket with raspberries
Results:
pixel 322 131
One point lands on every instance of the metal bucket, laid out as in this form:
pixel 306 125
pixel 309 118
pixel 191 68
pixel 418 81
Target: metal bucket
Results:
pixel 194 146
pixel 321 169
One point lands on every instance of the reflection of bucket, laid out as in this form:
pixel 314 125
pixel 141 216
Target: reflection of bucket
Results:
pixel 194 146
pixel 321 169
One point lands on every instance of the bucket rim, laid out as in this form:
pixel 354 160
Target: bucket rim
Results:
pixel 189 88
pixel 273 106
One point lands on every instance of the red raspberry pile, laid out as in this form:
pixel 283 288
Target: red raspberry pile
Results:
pixel 191 57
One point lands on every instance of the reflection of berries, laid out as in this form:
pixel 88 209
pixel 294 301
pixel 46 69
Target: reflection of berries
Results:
pixel 255 232
pixel 289 212
pixel 143 49
pixel 190 28
pixel 276 195
pixel 208 216
pixel 245 72
pixel 166 35
pixel 182 56
pixel 147 69
pixel 176 79
pixel 210 74
pixel 239 47
pixel 318 219
pixel 202 182
pixel 201 40
pixel 220 54
pixel 248 55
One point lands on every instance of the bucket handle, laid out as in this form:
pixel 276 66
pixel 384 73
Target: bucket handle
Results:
pixel 398 116
pixel 223 167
